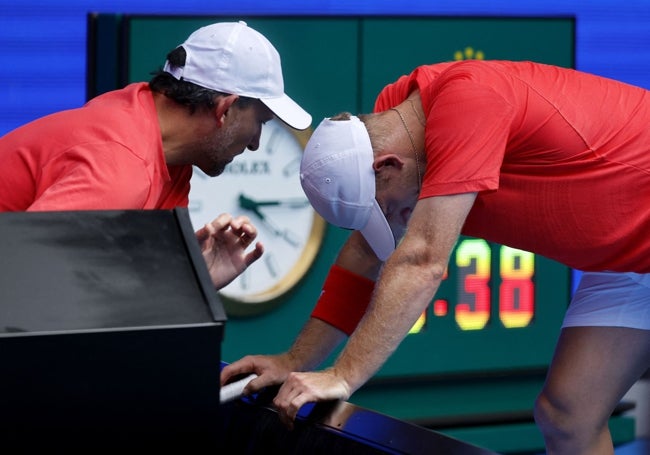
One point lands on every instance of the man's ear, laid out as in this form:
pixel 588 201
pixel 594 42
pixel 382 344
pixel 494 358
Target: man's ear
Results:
pixel 387 160
pixel 222 107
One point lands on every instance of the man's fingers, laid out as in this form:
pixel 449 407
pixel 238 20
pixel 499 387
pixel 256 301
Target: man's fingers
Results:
pixel 235 390
pixel 221 222
pixel 288 410
pixel 241 224
pixel 255 385
pixel 243 227
pixel 243 366
pixel 289 400
pixel 255 254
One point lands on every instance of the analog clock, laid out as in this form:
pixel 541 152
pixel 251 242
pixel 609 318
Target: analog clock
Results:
pixel 265 186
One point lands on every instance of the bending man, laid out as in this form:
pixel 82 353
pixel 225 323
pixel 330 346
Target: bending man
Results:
pixel 536 157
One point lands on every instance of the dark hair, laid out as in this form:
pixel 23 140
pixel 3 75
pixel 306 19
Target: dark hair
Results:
pixel 186 93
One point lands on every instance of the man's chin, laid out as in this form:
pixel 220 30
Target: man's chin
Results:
pixel 214 172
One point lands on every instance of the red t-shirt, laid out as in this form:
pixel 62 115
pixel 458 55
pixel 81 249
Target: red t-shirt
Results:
pixel 105 155
pixel 560 159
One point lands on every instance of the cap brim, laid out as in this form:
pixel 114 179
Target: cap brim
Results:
pixel 289 112
pixel 378 234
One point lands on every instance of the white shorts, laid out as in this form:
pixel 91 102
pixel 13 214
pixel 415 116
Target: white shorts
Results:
pixel 611 299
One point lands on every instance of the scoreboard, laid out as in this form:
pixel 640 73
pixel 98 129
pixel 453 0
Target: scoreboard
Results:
pixel 497 309
pixel 516 295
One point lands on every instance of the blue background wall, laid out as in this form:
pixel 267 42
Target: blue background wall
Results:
pixel 43 42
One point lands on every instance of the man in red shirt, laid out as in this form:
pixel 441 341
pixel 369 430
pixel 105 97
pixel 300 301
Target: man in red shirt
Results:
pixel 545 159
pixel 134 148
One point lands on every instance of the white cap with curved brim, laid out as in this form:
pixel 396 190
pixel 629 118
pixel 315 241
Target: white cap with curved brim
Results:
pixel 338 178
pixel 232 58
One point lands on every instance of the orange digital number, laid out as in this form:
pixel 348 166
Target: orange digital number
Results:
pixel 517 292
pixel 473 258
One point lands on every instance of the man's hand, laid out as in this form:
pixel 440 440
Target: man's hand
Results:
pixel 270 369
pixel 223 243
pixel 302 388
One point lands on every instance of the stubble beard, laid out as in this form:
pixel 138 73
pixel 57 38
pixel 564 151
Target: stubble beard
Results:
pixel 217 150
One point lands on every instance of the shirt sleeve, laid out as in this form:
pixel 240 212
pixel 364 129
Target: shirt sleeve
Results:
pixel 393 94
pixel 422 76
pixel 92 176
pixel 467 129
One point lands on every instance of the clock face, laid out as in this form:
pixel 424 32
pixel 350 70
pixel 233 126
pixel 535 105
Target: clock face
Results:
pixel 265 186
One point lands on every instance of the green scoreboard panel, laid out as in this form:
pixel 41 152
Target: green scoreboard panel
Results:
pixel 499 310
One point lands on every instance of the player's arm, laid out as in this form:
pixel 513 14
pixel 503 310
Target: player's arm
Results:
pixel 343 301
pixel 407 283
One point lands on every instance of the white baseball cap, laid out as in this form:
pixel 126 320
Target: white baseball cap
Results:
pixel 338 178
pixel 232 58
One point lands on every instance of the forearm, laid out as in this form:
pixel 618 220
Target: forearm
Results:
pixel 401 297
pixel 356 256
pixel 316 341
pixel 408 282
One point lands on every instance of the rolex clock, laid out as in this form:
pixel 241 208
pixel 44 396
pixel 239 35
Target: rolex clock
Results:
pixel 265 186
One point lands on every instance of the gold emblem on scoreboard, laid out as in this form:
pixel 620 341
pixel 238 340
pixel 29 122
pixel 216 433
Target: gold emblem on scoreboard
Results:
pixel 469 53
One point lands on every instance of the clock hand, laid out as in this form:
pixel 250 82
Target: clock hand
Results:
pixel 247 203
pixel 293 203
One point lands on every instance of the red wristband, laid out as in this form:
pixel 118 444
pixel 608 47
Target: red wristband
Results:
pixel 344 299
